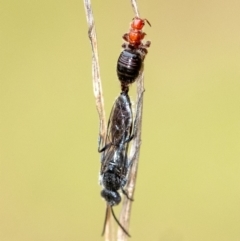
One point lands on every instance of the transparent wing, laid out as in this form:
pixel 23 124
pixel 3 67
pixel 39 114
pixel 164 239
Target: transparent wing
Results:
pixel 120 121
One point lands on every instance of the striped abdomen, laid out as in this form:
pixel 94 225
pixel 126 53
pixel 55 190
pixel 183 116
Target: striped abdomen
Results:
pixel 128 66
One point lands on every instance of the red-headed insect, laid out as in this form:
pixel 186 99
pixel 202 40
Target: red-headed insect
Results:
pixel 135 35
pixel 130 61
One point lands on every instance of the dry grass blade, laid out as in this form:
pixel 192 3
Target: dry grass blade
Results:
pixel 97 90
pixel 134 154
pixel 134 157
pixel 97 86
pixel 135 8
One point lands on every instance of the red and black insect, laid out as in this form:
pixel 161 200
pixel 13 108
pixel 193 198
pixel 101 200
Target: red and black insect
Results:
pixel 130 61
pixel 135 35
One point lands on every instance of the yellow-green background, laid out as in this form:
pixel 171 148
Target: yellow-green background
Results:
pixel 188 186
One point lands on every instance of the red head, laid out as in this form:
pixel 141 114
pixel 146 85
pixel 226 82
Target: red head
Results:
pixel 138 23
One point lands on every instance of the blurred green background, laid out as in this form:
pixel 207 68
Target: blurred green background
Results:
pixel 189 174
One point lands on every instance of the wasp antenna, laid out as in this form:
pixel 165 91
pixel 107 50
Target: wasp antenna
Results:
pixel 148 22
pixel 120 225
pixel 105 221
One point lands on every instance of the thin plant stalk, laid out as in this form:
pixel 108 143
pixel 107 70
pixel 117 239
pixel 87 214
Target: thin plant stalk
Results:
pixel 134 153
pixel 134 157
pixel 98 93
pixel 97 84
pixel 135 147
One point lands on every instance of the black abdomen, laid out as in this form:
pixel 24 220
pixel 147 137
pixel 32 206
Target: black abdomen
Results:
pixel 128 66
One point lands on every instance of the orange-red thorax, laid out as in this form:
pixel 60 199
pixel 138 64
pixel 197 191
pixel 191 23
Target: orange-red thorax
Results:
pixel 135 37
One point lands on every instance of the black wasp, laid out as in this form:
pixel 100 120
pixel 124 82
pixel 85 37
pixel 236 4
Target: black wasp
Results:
pixel 114 161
